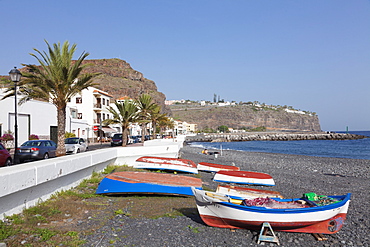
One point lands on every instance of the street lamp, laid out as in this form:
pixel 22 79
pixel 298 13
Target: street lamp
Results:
pixel 15 76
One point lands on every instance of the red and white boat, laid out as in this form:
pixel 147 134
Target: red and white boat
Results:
pixel 284 215
pixel 163 163
pixel 242 192
pixel 211 167
pixel 244 177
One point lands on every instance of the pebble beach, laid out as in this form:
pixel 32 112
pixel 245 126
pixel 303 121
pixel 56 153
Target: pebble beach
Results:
pixel 293 175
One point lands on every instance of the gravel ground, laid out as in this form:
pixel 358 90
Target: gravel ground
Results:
pixel 293 175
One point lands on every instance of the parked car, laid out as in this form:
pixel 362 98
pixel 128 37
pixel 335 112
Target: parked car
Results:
pixel 116 140
pixel 5 158
pixel 75 145
pixel 36 149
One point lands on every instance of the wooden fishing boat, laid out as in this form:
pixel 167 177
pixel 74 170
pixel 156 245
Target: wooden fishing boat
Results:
pixel 242 192
pixel 283 215
pixel 163 163
pixel 244 177
pixel 211 167
pixel 147 183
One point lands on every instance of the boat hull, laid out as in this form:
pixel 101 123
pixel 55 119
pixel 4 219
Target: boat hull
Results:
pixel 211 167
pixel 244 177
pixel 322 219
pixel 147 183
pixel 162 163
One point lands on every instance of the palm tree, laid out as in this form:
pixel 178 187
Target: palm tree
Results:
pixel 155 117
pixel 146 105
pixel 56 79
pixel 124 114
pixel 166 123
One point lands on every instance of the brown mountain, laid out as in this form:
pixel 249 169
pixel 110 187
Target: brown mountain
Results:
pixel 119 79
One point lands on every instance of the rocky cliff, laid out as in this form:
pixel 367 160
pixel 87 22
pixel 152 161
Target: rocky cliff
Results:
pixel 244 116
pixel 119 79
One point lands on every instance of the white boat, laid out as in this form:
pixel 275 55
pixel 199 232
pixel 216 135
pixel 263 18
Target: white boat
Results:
pixel 244 177
pixel 163 163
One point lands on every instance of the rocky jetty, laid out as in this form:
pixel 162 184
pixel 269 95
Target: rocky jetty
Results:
pixel 270 136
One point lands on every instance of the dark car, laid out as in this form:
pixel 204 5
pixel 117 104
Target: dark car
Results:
pixel 36 150
pixel 116 140
pixel 5 158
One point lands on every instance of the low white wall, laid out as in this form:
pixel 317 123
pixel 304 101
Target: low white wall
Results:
pixel 159 147
pixel 24 185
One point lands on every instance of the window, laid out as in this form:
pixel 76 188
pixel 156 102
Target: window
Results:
pixel 73 114
pixel 107 101
pixel 79 115
pixel 103 101
pixel 103 116
pixel 83 132
pixel 78 100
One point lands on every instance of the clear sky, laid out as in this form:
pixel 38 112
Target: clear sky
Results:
pixel 313 55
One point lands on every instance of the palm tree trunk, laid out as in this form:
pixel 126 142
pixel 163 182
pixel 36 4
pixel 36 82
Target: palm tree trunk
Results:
pixel 61 115
pixel 124 136
pixel 154 126
pixel 143 132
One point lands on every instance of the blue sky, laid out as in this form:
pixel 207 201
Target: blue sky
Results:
pixel 312 55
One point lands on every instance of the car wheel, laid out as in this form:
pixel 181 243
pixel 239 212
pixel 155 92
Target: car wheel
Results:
pixel 78 150
pixel 46 156
pixel 8 162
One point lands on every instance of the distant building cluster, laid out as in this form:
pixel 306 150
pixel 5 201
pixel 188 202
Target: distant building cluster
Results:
pixel 256 104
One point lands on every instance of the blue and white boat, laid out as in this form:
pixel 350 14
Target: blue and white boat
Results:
pixel 287 215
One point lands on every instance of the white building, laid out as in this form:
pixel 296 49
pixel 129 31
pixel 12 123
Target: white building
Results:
pixel 34 117
pixel 87 110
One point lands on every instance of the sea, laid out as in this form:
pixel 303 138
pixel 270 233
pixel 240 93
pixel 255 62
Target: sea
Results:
pixel 351 149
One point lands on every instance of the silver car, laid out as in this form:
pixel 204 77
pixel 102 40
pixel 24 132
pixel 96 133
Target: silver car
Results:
pixel 75 145
pixel 36 149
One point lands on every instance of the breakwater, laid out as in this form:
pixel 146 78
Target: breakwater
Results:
pixel 270 136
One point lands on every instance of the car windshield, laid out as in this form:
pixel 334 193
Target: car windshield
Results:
pixel 71 141
pixel 32 144
pixel 117 136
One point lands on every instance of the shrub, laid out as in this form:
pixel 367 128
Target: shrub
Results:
pixel 7 137
pixel 69 135
pixel 33 137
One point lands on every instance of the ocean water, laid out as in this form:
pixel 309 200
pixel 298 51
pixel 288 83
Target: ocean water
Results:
pixel 352 149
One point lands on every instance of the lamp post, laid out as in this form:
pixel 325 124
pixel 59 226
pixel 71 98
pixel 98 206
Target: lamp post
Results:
pixel 15 76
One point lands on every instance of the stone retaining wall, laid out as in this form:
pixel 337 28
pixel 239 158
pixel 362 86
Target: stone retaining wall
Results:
pixel 267 136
